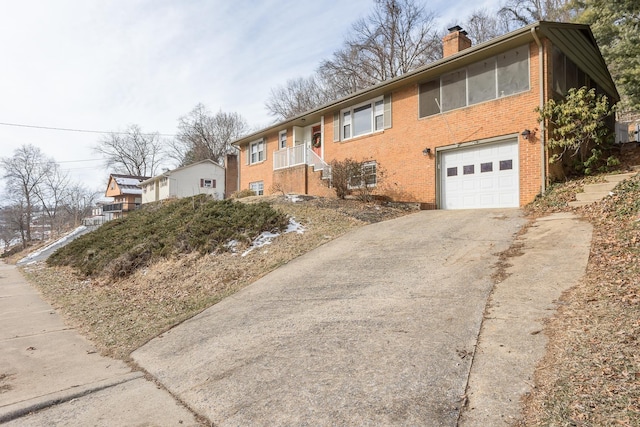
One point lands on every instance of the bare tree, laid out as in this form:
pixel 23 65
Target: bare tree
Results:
pixel 297 96
pixel 524 12
pixel 78 203
pixel 51 193
pixel 24 173
pixel 132 152
pixel 483 25
pixel 8 227
pixel 202 135
pixel 397 37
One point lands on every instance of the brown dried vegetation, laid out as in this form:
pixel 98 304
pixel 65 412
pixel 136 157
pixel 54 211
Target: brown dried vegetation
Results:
pixel 590 375
pixel 119 314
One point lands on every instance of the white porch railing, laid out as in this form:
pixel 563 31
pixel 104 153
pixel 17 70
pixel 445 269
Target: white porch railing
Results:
pixel 298 155
pixel 319 164
pixel 289 157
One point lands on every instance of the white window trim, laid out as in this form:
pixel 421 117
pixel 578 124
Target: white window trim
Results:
pixel 363 176
pixel 372 103
pixel 263 151
pixel 257 187
pixel 280 139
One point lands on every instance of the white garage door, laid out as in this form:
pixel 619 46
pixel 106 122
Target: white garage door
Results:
pixel 483 176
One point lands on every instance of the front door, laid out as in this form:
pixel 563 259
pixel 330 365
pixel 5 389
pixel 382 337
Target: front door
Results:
pixel 316 140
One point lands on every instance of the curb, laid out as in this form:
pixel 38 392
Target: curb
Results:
pixel 20 409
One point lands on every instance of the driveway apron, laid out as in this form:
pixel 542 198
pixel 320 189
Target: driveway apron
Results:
pixel 375 328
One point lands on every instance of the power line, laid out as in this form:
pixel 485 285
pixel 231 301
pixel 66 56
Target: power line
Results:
pixel 78 161
pixel 76 130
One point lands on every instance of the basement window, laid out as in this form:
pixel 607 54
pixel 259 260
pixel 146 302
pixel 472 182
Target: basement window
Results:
pixel 257 187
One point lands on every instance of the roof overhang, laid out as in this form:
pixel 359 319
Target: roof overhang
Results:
pixel 551 30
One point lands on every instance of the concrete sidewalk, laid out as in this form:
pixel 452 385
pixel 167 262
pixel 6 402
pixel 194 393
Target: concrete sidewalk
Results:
pixel 48 367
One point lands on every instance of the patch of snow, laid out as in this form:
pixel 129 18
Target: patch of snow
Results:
pixel 128 181
pixel 294 198
pixel 60 242
pixel 294 226
pixel 267 237
pixel 232 245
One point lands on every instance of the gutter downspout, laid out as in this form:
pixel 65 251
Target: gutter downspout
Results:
pixel 542 128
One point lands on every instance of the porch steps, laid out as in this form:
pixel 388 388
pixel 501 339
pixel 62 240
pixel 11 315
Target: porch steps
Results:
pixel 595 192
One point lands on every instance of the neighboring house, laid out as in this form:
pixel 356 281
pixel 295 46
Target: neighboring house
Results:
pixel 460 132
pixel 204 177
pixel 126 193
pixel 98 217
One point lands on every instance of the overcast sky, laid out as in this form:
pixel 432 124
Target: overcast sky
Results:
pixel 103 65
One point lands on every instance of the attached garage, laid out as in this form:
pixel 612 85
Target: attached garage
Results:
pixel 480 176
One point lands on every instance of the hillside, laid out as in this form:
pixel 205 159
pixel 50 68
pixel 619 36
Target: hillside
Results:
pixel 134 278
pixel 590 375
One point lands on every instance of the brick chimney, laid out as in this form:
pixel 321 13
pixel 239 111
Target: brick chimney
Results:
pixel 455 41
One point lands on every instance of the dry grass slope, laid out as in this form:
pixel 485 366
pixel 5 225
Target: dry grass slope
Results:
pixel 119 313
pixel 591 373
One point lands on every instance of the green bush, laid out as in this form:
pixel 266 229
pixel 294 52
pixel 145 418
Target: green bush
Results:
pixel 196 224
pixel 578 130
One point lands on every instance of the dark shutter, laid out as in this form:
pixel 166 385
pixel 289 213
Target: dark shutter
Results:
pixel 387 111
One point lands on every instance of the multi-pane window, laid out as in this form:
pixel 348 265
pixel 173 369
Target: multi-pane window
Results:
pixel 363 119
pixel 282 139
pixel 208 183
pixel 492 78
pixel 366 176
pixel 346 125
pixel 566 74
pixel 482 81
pixel 257 187
pixel 256 152
pixel 378 115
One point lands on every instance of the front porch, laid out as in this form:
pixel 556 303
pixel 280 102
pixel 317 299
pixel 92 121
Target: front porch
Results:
pixel 298 155
pixel 300 170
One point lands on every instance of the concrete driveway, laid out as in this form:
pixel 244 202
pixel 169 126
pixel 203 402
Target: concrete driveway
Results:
pixel 375 328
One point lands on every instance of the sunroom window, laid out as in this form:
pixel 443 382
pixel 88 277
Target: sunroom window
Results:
pixel 492 78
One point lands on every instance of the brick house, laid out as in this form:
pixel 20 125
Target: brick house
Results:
pixel 458 133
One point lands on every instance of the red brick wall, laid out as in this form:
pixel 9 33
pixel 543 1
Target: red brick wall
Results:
pixel 289 180
pixel 411 176
pixel 231 175
pixel 262 171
